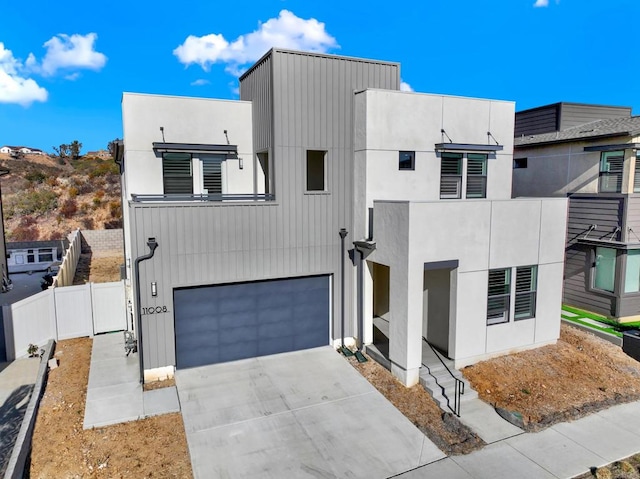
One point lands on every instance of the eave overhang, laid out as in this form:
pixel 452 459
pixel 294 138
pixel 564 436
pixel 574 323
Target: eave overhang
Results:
pixel 472 147
pixel 161 147
pixel 620 146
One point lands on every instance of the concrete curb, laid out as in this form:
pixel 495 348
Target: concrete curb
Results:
pixel 18 459
pixel 601 334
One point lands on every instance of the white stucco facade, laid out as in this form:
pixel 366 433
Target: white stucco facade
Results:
pixel 439 251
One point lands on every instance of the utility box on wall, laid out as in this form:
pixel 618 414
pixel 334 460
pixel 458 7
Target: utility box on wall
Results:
pixel 631 343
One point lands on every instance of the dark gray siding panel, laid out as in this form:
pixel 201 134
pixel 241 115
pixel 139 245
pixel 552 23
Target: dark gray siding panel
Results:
pixel 573 114
pixel 538 120
pixel 216 324
pixel 584 211
pixel 576 283
pixel 604 212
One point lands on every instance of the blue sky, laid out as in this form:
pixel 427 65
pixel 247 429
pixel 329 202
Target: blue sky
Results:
pixel 64 65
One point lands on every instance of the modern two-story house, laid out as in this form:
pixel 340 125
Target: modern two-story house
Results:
pixel 235 214
pixel 588 153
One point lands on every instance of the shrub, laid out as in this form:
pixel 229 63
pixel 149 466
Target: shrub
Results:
pixel 27 221
pixel 24 233
pixel 69 208
pixel 35 177
pixel 87 223
pixel 113 224
pixel 73 192
pixel 115 209
pixel 52 181
pixel 32 202
pixel 104 168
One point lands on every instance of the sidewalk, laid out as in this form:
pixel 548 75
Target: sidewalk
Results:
pixel 561 451
pixel 114 392
pixel 16 384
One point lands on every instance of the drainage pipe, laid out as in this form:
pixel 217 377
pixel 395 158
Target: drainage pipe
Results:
pixel 343 234
pixel 152 244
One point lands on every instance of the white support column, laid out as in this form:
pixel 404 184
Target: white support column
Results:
pixel 367 303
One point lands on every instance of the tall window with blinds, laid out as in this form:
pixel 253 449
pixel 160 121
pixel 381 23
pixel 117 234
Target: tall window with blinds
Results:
pixel 636 177
pixel 526 290
pixel 177 173
pixel 499 295
pixel 476 175
pixel 611 168
pixel 451 176
pixel 212 175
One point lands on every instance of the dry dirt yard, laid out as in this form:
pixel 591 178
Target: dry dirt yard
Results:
pixel 98 269
pixel 578 375
pixel 443 428
pixel 153 447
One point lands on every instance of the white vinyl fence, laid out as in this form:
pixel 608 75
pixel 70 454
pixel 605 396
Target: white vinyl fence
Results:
pixel 64 313
pixel 70 261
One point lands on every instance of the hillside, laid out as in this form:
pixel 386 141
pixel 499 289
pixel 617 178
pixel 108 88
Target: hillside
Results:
pixel 46 198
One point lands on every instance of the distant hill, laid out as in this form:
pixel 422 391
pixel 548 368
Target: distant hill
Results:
pixel 46 198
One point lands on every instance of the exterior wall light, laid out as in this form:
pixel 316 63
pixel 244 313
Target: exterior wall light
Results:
pixel 154 289
pixel 240 164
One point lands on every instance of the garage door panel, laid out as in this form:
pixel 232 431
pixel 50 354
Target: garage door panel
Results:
pixel 275 345
pixel 232 320
pixel 236 321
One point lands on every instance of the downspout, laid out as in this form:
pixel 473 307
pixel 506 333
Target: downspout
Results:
pixel 346 351
pixel 152 244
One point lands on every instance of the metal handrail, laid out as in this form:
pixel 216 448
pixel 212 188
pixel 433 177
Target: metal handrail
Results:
pixel 459 384
pixel 203 197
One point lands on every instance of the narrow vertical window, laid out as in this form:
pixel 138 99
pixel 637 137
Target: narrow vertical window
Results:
pixel 177 174
pixel 526 291
pixel 611 167
pixel 476 175
pixel 451 175
pixel 212 175
pixel 406 160
pixel 632 273
pixel 499 293
pixel 605 269
pixel 316 170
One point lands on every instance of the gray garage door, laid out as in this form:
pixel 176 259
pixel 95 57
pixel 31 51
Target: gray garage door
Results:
pixel 216 324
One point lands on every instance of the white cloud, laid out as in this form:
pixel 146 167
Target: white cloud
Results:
pixel 65 52
pixel 15 88
pixel 541 3
pixel 404 86
pixel 200 82
pixel 286 31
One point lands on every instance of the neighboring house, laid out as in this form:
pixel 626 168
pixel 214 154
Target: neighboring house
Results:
pixel 14 150
pixel 26 256
pixel 246 200
pixel 590 154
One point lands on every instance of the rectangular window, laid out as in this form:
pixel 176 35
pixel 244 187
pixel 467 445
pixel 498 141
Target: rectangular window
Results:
pixel 406 160
pixel 498 296
pixel 526 286
pixel 611 166
pixel 177 173
pixel 31 258
pixel 632 274
pixel 212 174
pixel 605 269
pixel 476 175
pixel 519 163
pixel 45 255
pixel 316 170
pixel 451 175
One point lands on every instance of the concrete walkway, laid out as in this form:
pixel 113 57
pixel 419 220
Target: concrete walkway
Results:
pixel 561 451
pixel 114 393
pixel 16 384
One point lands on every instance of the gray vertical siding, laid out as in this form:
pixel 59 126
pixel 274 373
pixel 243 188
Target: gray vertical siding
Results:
pixel 300 101
pixel 256 85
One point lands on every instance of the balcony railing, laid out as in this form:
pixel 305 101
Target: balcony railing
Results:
pixel 204 197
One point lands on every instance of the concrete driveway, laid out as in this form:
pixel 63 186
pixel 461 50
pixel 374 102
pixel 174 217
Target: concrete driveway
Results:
pixel 301 414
